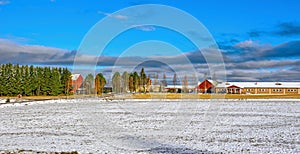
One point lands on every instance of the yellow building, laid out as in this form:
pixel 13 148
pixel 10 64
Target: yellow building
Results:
pixel 258 87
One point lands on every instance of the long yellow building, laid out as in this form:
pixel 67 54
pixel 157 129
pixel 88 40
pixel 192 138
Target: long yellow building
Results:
pixel 256 87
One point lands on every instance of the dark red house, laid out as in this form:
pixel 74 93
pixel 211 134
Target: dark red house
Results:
pixel 234 89
pixel 76 82
pixel 205 87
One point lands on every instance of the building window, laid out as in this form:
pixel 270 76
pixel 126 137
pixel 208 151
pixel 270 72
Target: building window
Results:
pixel 292 90
pixel 277 90
pixel 248 90
pixel 262 90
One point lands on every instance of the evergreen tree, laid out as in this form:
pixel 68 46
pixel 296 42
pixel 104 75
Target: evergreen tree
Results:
pixel 46 81
pixel 33 80
pixel 130 83
pixel 100 82
pixel 1 80
pixel 55 84
pixel 66 81
pixel 16 79
pixel 9 87
pixel 26 81
pixel 136 81
pixel 143 79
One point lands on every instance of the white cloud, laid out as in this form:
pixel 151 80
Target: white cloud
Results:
pixel 146 28
pixel 4 2
pixel 116 16
pixel 245 44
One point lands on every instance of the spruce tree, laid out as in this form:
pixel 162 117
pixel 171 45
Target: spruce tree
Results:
pixel 130 83
pixel 100 82
pixel 55 84
pixel 136 81
pixel 143 80
pixel 26 81
pixel 66 81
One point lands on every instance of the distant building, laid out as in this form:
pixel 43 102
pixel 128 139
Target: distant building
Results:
pixel 261 87
pixel 179 88
pixel 272 88
pixel 76 82
pixel 206 86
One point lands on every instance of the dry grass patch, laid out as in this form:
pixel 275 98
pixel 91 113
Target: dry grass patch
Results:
pixel 210 96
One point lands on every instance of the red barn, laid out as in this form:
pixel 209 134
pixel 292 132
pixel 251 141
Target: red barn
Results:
pixel 76 82
pixel 205 87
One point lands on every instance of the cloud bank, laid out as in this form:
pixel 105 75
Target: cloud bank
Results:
pixel 282 29
pixel 244 61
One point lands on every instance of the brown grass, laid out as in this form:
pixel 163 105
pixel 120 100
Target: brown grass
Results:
pixel 169 96
pixel 38 97
pixel 210 96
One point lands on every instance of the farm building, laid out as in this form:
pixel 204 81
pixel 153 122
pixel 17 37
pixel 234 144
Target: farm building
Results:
pixel 76 82
pixel 179 88
pixel 260 87
pixel 207 86
pixel 250 87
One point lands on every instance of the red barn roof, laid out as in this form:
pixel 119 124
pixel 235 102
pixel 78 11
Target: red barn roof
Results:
pixel 233 87
pixel 205 85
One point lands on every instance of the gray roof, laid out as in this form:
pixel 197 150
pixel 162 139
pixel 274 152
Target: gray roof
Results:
pixel 260 84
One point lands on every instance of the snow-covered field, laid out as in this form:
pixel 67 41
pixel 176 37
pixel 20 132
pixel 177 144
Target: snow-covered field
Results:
pixel 157 126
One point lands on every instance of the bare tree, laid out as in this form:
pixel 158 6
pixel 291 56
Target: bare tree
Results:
pixel 125 82
pixel 185 83
pixel 175 81
pixel 116 82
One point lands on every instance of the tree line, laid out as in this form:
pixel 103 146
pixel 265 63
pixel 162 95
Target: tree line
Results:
pixel 34 81
pixel 127 82
pixel 131 82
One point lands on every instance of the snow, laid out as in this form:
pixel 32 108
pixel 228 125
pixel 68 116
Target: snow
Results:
pixel 261 84
pixel 156 126
pixel 75 76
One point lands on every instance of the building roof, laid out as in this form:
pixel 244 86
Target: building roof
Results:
pixel 179 87
pixel 260 84
pixel 75 76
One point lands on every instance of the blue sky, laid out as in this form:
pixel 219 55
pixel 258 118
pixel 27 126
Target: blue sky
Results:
pixel 260 40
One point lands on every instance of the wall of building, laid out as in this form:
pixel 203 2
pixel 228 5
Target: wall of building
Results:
pixel 249 91
pixel 272 91
pixel 278 91
pixel 76 83
pixel 291 91
pixel 205 87
pixel 263 91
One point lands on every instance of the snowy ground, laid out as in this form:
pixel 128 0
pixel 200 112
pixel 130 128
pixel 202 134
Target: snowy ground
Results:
pixel 157 126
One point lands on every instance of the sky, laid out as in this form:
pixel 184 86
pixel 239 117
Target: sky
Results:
pixel 259 40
